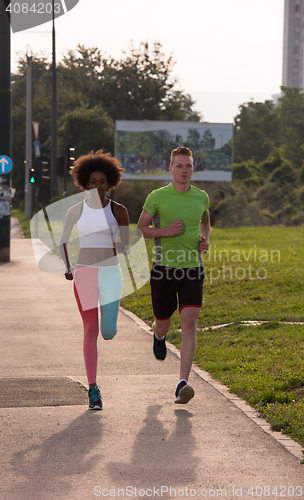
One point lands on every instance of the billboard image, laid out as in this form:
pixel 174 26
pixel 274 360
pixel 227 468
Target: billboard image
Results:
pixel 143 148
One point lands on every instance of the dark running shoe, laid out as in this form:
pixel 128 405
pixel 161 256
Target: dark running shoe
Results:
pixel 95 401
pixel 183 393
pixel 159 348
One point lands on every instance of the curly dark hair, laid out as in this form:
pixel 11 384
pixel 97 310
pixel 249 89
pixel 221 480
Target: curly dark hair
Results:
pixel 100 162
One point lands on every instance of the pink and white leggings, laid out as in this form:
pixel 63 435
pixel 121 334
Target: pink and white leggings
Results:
pixel 95 286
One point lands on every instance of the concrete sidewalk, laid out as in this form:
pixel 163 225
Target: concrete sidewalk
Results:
pixel 141 444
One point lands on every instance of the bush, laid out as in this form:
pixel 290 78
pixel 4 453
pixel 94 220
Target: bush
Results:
pixel 133 193
pixel 285 173
pixel 272 162
pixel 301 178
pixel 254 180
pixel 270 197
pixel 242 171
pixel 301 197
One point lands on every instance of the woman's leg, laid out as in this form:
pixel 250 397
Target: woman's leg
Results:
pixel 110 291
pixel 86 294
pixel 108 319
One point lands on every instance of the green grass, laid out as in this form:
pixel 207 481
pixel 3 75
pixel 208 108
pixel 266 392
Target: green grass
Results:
pixel 263 364
pixel 24 223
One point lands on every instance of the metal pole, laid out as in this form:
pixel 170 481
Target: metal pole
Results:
pixel 66 161
pixel 5 121
pixel 53 113
pixel 36 212
pixel 28 141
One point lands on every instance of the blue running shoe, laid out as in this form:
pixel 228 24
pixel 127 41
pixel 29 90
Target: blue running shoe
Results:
pixel 95 401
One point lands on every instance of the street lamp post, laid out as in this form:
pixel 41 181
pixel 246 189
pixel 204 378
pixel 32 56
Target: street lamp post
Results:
pixel 53 112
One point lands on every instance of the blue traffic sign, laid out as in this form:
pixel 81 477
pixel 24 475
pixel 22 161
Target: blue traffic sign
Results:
pixel 6 165
pixel 37 149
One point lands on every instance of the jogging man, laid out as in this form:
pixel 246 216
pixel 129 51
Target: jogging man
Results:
pixel 181 231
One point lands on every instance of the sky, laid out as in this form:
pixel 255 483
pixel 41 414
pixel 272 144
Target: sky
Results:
pixel 227 52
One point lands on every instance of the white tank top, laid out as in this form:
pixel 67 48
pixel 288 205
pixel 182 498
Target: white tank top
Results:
pixel 97 227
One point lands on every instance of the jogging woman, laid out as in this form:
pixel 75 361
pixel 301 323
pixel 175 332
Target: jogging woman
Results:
pixel 97 276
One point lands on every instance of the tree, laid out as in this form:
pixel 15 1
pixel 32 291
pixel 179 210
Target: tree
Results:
pixel 138 86
pixel 92 91
pixel 78 79
pixel 256 131
pixel 178 107
pixel 87 130
pixel 291 114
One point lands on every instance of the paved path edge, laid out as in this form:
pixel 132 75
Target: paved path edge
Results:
pixel 288 443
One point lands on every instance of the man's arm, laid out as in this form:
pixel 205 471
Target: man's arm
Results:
pixel 205 232
pixel 145 220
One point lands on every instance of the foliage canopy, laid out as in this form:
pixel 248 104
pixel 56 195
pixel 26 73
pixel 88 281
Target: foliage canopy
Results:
pixel 93 91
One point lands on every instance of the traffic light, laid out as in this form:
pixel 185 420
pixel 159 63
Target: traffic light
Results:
pixel 45 170
pixel 36 172
pixel 65 161
pixel 32 175
pixel 69 159
pixel 39 172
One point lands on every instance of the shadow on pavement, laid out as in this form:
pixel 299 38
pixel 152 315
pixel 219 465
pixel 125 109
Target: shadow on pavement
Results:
pixel 159 458
pixel 48 467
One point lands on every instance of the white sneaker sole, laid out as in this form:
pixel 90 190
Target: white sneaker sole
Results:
pixel 185 394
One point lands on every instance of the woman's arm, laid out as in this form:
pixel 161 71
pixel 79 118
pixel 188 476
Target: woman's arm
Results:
pixel 71 218
pixel 122 217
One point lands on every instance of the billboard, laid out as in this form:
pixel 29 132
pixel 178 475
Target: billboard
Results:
pixel 143 148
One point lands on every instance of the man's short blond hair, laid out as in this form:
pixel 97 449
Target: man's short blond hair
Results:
pixel 180 151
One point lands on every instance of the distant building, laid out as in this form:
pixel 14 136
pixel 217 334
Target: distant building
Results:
pixel 293 44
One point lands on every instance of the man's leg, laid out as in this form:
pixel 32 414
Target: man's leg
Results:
pixel 164 302
pixel 189 316
pixel 161 327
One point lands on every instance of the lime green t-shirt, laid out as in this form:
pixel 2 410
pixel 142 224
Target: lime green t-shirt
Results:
pixel 167 205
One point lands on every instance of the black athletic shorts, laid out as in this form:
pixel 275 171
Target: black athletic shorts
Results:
pixel 168 282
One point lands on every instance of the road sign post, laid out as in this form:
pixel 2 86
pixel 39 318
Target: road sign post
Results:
pixel 5 134
pixel 6 164
pixel 37 149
